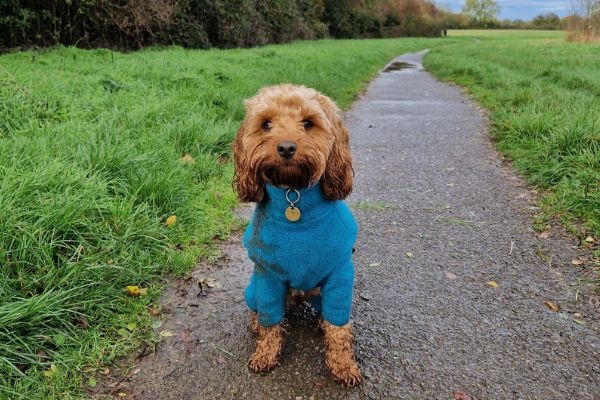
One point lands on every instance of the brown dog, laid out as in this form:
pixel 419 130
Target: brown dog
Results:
pixel 293 159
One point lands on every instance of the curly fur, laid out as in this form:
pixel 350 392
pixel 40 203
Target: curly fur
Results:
pixel 291 113
pixel 279 113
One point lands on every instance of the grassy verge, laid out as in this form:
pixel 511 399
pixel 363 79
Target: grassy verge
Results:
pixel 97 150
pixel 544 97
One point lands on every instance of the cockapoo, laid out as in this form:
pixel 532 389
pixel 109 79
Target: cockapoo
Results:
pixel 292 158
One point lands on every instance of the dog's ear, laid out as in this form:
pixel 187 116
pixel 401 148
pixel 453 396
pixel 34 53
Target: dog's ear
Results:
pixel 245 181
pixel 337 179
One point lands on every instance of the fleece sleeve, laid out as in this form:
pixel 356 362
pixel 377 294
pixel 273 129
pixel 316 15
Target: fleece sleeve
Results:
pixel 266 296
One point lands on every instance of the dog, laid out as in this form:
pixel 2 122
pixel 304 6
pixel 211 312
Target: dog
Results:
pixel 292 158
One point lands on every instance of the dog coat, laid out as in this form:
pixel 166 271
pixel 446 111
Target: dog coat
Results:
pixel 314 251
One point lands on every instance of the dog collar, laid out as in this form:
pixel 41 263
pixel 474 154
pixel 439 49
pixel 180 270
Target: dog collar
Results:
pixel 295 205
pixel 292 213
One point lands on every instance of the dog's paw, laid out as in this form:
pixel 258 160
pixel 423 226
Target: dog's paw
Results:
pixel 268 347
pixel 348 373
pixel 262 361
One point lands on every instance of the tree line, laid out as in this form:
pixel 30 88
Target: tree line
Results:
pixel 132 24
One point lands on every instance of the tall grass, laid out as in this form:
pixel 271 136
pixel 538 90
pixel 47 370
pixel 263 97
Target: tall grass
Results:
pixel 97 150
pixel 544 94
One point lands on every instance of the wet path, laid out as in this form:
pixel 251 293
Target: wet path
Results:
pixel 450 284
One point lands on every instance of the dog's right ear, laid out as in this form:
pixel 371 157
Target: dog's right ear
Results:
pixel 245 180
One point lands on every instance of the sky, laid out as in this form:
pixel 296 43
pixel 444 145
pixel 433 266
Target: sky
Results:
pixel 515 9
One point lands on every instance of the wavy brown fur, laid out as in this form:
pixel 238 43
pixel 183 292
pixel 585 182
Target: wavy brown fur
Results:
pixel 340 355
pixel 268 345
pixel 277 114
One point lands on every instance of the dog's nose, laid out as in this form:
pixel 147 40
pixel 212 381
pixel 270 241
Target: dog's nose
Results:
pixel 286 149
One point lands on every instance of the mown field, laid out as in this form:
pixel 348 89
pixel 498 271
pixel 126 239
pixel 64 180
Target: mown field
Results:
pixel 99 151
pixel 115 171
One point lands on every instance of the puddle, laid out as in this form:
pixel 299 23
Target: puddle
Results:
pixel 398 66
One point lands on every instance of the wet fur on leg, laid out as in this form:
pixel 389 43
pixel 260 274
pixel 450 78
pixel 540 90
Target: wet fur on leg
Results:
pixel 268 345
pixel 339 356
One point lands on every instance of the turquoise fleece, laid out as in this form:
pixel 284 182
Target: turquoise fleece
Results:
pixel 314 251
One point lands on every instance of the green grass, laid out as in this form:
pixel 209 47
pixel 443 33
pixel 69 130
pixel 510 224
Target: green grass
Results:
pixel 90 158
pixel 544 98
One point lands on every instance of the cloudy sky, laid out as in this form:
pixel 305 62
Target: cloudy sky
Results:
pixel 515 9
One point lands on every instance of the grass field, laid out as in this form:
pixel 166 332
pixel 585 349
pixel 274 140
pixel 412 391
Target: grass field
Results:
pixel 99 151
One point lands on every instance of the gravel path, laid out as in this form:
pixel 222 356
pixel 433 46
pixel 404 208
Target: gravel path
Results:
pixel 451 281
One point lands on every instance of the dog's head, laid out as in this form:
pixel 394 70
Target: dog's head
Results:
pixel 292 136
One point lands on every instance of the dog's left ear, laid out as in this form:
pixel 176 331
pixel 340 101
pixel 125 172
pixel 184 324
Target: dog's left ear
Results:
pixel 337 179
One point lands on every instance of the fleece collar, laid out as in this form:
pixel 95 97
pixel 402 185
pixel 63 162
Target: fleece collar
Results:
pixel 312 203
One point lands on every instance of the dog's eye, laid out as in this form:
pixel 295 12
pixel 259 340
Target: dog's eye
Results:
pixel 267 125
pixel 307 124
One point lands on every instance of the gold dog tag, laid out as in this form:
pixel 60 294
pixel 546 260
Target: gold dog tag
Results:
pixel 292 213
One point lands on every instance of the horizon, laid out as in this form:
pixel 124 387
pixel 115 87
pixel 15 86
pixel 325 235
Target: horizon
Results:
pixel 523 10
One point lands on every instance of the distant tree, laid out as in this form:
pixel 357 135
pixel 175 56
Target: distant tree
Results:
pixel 546 21
pixel 483 13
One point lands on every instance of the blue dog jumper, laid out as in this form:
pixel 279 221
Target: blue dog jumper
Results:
pixel 313 251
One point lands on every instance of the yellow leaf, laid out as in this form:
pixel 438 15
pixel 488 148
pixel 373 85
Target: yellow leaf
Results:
pixel 52 371
pixel 166 334
pixel 552 306
pixel 170 221
pixel 409 254
pixel 122 394
pixel 492 283
pixel 133 290
pixel 589 239
pixel 187 159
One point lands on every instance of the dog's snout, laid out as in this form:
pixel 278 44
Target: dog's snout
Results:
pixel 286 149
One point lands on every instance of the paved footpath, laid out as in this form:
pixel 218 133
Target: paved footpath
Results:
pixel 451 281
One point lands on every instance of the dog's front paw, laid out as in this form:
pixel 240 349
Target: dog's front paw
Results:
pixel 261 361
pixel 268 347
pixel 339 356
pixel 346 372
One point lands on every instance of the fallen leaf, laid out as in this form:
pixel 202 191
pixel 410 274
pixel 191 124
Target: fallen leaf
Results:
pixel 578 321
pixel 552 306
pixel 170 221
pixel 409 254
pixel 122 394
pixel 450 275
pixel 92 382
pixel 460 395
pixel 136 291
pixel 187 159
pixel 493 284
pixel 131 326
pixel 154 311
pixel 105 371
pixel 589 239
pixel 375 264
pixel 577 261
pixel 166 334
pixel 544 235
pixel 208 282
pixel 52 371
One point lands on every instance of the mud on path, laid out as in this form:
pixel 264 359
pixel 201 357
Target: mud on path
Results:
pixel 451 281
